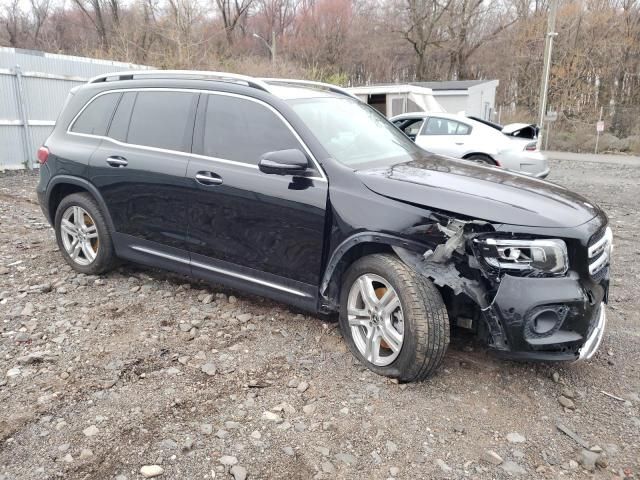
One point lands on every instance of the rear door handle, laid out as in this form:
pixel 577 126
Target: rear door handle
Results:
pixel 118 162
pixel 459 143
pixel 208 178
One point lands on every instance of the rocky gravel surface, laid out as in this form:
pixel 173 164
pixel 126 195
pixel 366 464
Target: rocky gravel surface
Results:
pixel 146 374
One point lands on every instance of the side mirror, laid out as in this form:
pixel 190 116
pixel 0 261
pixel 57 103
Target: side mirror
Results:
pixel 284 162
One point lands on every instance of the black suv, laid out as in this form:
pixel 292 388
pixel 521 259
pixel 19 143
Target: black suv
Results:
pixel 298 191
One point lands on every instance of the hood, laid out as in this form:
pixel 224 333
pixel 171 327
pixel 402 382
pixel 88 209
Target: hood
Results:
pixel 485 193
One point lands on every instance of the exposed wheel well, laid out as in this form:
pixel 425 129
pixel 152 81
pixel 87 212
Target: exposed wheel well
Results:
pixel 354 253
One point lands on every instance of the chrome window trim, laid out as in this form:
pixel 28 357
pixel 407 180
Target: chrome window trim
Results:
pixel 322 177
pixel 223 271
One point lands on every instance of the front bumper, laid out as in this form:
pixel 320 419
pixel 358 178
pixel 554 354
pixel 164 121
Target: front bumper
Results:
pixel 592 344
pixel 550 319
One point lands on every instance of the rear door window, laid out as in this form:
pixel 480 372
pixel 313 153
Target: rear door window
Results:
pixel 95 118
pixel 163 120
pixel 445 126
pixel 242 130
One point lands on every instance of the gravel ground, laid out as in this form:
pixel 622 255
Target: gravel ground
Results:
pixel 100 377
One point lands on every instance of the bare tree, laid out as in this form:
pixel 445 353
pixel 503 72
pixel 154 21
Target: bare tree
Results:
pixel 470 23
pixel 422 28
pixel 13 20
pixel 93 10
pixel 40 12
pixel 232 11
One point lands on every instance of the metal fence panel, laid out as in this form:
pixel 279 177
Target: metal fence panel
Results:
pixel 33 88
pixel 45 96
pixel 8 100
pixel 11 147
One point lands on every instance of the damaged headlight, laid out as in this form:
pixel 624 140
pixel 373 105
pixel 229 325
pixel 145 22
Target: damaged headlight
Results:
pixel 546 256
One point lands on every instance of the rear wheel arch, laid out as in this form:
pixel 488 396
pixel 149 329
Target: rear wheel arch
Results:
pixel 64 185
pixel 480 157
pixel 351 250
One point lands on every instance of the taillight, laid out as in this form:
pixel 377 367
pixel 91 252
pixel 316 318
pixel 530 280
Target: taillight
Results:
pixel 43 155
pixel 531 147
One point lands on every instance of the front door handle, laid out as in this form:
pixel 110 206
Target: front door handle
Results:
pixel 118 162
pixel 459 143
pixel 208 178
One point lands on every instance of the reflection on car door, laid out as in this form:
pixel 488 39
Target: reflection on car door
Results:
pixel 245 224
pixel 139 168
pixel 444 136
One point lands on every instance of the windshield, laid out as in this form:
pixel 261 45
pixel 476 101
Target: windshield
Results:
pixel 354 133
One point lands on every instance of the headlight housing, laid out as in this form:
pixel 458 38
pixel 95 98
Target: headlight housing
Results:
pixel 545 256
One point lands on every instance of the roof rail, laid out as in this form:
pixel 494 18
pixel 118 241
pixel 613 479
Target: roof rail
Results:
pixel 310 83
pixel 222 76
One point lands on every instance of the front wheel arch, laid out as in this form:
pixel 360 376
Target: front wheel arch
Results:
pixel 351 250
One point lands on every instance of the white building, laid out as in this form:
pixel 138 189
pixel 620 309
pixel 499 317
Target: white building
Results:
pixel 391 100
pixel 475 98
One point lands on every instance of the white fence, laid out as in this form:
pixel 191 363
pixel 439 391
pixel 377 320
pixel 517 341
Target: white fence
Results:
pixel 33 88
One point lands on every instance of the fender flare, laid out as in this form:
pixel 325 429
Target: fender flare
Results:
pixel 363 237
pixel 80 182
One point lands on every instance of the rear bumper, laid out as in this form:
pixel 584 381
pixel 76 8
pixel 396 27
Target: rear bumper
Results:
pixel 522 161
pixel 549 319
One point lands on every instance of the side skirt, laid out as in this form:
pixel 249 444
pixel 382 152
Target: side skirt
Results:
pixel 245 279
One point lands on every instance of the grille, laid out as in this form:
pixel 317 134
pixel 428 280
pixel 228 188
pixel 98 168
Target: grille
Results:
pixel 600 251
pixel 597 236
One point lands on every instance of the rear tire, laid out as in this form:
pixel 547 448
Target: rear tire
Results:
pixel 481 158
pixel 420 319
pixel 83 236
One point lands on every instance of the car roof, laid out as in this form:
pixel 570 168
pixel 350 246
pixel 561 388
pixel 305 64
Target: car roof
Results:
pixel 283 88
pixel 295 93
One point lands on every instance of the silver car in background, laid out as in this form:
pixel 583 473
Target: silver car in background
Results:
pixel 463 137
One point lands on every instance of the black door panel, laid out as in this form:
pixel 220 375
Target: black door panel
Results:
pixel 146 198
pixel 271 223
pixel 141 175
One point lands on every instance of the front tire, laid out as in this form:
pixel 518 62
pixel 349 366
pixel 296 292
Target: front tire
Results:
pixel 393 319
pixel 83 236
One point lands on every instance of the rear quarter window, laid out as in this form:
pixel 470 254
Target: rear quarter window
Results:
pixel 95 117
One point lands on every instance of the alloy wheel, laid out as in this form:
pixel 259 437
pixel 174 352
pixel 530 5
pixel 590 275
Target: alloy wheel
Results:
pixel 376 319
pixel 79 235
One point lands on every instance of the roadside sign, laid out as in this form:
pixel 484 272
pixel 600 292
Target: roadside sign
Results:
pixel 600 126
pixel 551 117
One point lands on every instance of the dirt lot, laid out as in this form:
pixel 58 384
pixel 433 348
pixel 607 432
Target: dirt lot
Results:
pixel 102 376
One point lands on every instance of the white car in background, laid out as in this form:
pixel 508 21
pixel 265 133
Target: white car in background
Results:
pixel 463 137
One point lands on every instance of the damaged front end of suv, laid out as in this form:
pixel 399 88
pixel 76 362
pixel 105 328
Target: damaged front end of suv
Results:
pixel 532 296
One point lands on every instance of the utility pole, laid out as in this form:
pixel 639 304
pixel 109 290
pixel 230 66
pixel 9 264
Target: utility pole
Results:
pixel 548 48
pixel 598 130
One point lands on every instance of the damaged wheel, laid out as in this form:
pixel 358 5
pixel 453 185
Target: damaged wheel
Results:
pixel 393 320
